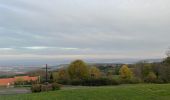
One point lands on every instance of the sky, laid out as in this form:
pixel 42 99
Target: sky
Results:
pixel 59 31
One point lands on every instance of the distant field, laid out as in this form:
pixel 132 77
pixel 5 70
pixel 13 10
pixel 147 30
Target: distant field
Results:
pixel 122 92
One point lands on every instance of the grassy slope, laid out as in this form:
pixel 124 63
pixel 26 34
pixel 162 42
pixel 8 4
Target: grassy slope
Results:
pixel 124 92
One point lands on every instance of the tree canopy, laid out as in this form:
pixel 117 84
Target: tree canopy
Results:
pixel 125 72
pixel 94 72
pixel 78 70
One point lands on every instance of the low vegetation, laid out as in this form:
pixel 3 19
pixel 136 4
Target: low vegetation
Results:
pixel 121 92
pixel 45 87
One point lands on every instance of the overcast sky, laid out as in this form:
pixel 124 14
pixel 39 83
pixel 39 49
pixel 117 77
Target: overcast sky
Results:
pixel 56 30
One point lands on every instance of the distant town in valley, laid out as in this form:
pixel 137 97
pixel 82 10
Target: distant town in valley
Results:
pixel 23 69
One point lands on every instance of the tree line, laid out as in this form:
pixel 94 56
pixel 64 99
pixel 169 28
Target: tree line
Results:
pixel 80 73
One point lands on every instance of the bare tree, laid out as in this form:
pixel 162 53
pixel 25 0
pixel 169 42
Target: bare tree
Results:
pixel 168 52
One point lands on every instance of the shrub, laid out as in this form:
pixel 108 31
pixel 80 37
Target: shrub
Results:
pixel 133 80
pixel 151 78
pixel 64 82
pixel 47 87
pixel 159 81
pixel 99 82
pixel 76 82
pixel 56 86
pixel 115 81
pixel 36 88
pixel 125 81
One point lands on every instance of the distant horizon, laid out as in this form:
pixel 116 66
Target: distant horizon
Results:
pixel 34 63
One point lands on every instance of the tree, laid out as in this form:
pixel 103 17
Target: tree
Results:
pixel 167 61
pixel 62 74
pixel 151 77
pixel 41 73
pixel 125 72
pixel 165 73
pixel 138 69
pixel 78 70
pixel 165 68
pixel 51 77
pixel 55 76
pixel 109 73
pixel 117 68
pixel 19 81
pixel 146 69
pixel 168 52
pixel 94 72
pixel 142 69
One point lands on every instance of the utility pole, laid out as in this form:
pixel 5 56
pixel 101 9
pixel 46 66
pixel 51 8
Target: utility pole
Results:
pixel 46 76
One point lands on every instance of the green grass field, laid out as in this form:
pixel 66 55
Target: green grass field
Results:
pixel 122 92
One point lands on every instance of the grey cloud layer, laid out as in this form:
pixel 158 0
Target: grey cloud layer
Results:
pixel 121 28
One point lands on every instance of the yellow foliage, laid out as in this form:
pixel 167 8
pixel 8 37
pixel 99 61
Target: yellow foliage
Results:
pixel 125 72
pixel 95 72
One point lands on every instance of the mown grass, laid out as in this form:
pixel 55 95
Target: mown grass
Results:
pixel 122 92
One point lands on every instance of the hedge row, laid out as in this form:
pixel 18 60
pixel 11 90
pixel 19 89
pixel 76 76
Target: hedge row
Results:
pixel 99 81
pixel 42 87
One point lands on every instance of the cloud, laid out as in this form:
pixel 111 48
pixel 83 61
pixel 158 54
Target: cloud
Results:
pixel 119 28
pixel 6 49
pixel 69 48
pixel 44 47
pixel 36 48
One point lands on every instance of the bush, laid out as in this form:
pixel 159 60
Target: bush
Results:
pixel 115 82
pixel 125 81
pixel 36 88
pixel 151 78
pixel 64 82
pixel 47 87
pixel 100 82
pixel 93 82
pixel 76 82
pixel 159 81
pixel 56 86
pixel 133 80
